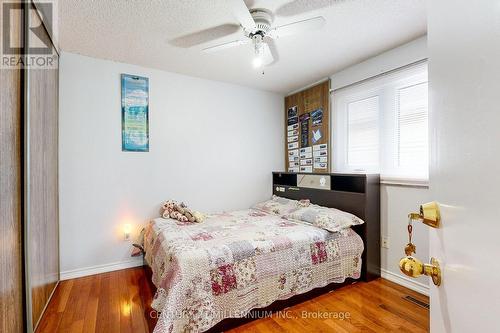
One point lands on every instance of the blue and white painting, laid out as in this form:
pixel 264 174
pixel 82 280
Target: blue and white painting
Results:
pixel 135 113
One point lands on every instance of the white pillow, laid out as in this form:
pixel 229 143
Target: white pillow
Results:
pixel 280 206
pixel 330 219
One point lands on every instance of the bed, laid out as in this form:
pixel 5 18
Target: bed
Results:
pixel 237 261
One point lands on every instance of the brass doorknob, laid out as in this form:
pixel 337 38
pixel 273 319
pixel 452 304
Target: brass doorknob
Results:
pixel 429 214
pixel 413 267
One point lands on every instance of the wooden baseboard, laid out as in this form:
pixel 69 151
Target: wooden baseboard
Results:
pixel 98 269
pixel 405 282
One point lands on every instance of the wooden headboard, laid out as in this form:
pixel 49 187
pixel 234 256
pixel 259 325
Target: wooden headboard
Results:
pixel 358 194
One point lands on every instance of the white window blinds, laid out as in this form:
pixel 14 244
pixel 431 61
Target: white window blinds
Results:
pixel 381 125
pixel 363 132
pixel 412 128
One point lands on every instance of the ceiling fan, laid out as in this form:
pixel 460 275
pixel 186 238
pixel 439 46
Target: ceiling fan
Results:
pixel 257 27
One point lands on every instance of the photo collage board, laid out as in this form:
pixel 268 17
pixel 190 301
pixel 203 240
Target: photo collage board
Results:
pixel 307 130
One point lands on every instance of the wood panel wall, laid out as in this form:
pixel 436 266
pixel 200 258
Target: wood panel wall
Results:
pixel 308 100
pixel 43 225
pixel 11 296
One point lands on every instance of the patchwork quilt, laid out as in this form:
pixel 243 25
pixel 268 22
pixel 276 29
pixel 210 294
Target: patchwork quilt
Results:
pixel 234 262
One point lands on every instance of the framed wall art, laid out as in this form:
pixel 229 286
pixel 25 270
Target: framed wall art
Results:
pixel 135 113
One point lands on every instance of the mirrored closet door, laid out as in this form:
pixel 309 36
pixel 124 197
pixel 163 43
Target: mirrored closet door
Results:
pixel 41 175
pixel 11 258
pixel 29 221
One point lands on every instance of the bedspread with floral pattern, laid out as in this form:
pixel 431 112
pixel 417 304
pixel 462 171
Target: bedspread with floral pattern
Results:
pixel 234 262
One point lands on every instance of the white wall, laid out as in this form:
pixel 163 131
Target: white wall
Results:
pixel 400 56
pixel 212 144
pixel 396 200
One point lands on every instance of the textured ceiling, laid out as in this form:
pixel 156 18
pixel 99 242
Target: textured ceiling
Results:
pixel 145 32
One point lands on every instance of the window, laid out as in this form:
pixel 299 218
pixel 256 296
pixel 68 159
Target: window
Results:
pixel 382 126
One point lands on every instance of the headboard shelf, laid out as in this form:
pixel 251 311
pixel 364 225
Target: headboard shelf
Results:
pixel 356 193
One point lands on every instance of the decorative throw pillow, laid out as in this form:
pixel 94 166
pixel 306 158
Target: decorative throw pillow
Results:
pixel 330 219
pixel 281 206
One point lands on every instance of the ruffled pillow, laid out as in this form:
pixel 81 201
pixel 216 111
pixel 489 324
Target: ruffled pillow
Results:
pixel 330 219
pixel 281 206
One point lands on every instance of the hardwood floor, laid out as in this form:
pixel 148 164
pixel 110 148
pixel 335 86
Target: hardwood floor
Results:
pixel 119 302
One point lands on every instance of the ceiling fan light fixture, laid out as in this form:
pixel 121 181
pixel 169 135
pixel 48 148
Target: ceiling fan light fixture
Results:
pixel 258 60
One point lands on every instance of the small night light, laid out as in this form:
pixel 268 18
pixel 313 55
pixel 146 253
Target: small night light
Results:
pixel 127 229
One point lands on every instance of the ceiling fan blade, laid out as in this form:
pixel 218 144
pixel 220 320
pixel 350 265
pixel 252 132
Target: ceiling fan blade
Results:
pixel 271 55
pixel 303 6
pixel 298 27
pixel 242 14
pixel 227 45
pixel 267 58
pixel 204 36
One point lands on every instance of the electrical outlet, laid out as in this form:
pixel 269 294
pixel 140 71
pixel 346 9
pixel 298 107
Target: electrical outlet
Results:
pixel 385 242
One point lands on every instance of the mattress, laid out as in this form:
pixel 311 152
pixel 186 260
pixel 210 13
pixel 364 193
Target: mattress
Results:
pixel 234 262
